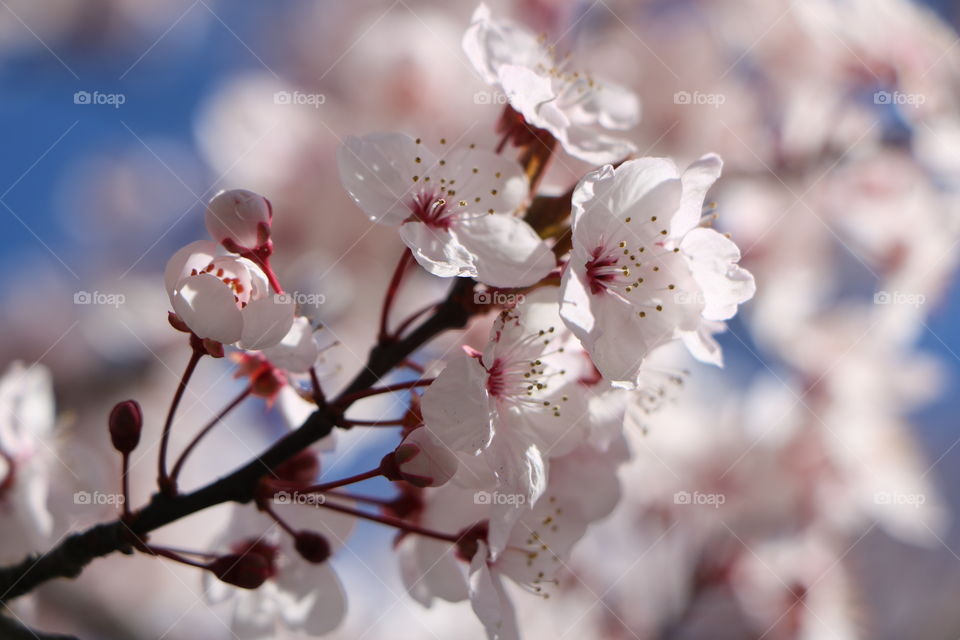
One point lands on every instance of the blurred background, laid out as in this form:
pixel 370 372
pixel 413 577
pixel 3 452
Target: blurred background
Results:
pixel 831 430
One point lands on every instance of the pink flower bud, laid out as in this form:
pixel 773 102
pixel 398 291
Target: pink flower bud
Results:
pixel 239 218
pixel 247 571
pixel 313 547
pixel 126 422
pixel 423 461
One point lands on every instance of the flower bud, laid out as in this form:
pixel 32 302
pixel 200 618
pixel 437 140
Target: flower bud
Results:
pixel 312 546
pixel 239 219
pixel 267 382
pixel 126 422
pixel 247 571
pixel 423 461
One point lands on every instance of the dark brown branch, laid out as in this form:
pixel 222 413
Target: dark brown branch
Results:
pixel 74 552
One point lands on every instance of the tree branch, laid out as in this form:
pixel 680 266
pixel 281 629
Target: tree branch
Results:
pixel 77 550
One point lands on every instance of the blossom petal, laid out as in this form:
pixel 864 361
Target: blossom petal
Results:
pixel 713 262
pixel 509 253
pixel 697 180
pixel 265 322
pixel 438 250
pixel 208 307
pixel 456 406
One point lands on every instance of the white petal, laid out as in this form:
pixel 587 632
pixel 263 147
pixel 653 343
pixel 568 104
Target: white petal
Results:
pixel 298 351
pixel 509 253
pixel 266 321
pixel 489 600
pixel 533 96
pixel 196 255
pixel 207 306
pixel 697 180
pixel 236 214
pixel 713 262
pixel 377 171
pixel 323 603
pixel 456 406
pixel 438 250
pixel 426 459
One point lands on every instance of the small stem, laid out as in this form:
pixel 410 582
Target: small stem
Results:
pixel 320 488
pixel 366 393
pixel 410 364
pixel 347 495
pixel 413 318
pixel 171 554
pixel 125 483
pixel 203 432
pixel 318 397
pixel 164 480
pixel 265 505
pixel 392 290
pixel 391 522
pixel 346 422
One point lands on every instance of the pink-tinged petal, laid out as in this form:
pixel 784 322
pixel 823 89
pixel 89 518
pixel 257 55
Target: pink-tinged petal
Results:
pixel 265 322
pixel 424 461
pixel 713 262
pixel 607 104
pixel 438 250
pixel 508 252
pixel 237 215
pixel 430 569
pixel 520 466
pixel 593 147
pixel 298 351
pixel 697 180
pixel 575 305
pixel 533 96
pixel 456 406
pixel 208 307
pixel 196 255
pixel 701 344
pixel 378 172
pixel 489 600
pixel 255 614
pixel 484 181
pixel 491 44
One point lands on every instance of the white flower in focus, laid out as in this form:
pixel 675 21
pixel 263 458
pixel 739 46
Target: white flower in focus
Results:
pixel 642 271
pixel 455 212
pixel 515 404
pixel 26 418
pixel 226 298
pixel 297 595
pixel 571 105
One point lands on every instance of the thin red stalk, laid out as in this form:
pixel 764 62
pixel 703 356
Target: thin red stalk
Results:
pixel 172 555
pixel 125 483
pixel 163 479
pixel 347 495
pixel 413 318
pixel 326 486
pixel 318 396
pixel 392 290
pixel 265 505
pixel 391 522
pixel 400 386
pixel 203 432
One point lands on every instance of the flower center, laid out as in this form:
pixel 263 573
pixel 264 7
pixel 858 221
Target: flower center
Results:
pixel 432 211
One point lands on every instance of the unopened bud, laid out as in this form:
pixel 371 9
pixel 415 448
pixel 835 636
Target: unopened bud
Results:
pixel 126 422
pixel 239 219
pixel 267 382
pixel 247 571
pixel 312 546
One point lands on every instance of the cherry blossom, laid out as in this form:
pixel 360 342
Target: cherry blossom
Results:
pixel 226 298
pixel 26 421
pixel 517 401
pixel 455 211
pixel 642 271
pixel 572 105
pixel 239 218
pixel 298 594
